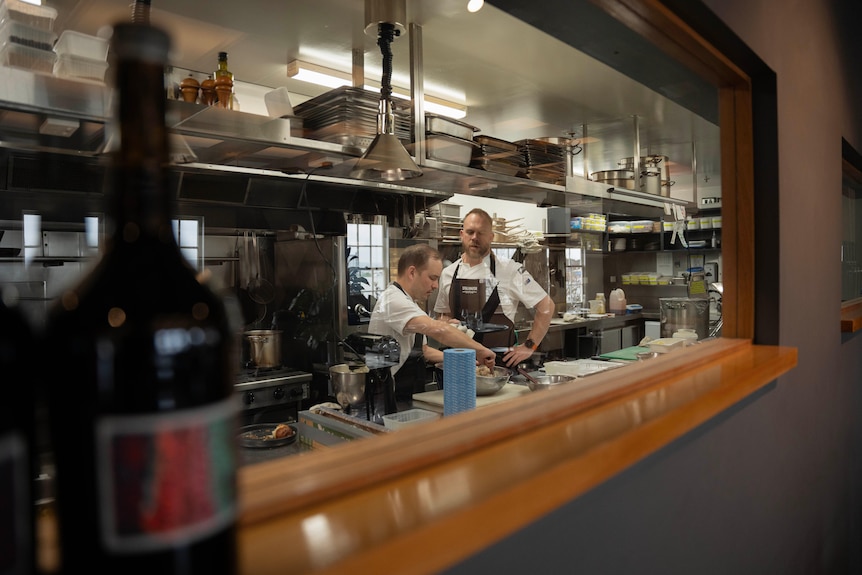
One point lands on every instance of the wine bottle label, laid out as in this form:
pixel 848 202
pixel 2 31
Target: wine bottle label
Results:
pixel 166 479
pixel 15 505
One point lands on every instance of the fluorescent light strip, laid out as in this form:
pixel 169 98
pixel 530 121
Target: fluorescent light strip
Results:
pixel 319 75
pixel 434 105
pixel 322 76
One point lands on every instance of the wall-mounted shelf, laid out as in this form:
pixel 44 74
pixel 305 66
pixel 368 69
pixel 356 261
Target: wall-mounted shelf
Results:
pixel 270 151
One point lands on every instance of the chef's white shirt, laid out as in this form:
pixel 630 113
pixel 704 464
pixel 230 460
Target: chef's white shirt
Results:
pixel 393 310
pixel 514 284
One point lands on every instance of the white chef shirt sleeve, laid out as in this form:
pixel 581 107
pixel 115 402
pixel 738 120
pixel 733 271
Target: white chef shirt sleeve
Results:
pixel 525 286
pixel 443 289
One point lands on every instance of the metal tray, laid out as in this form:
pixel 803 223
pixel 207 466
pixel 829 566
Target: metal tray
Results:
pixel 496 167
pixel 496 143
pixel 435 124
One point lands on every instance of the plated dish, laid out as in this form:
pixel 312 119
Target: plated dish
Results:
pixel 267 435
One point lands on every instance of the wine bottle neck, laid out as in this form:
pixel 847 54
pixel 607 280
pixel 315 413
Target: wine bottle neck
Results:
pixel 142 205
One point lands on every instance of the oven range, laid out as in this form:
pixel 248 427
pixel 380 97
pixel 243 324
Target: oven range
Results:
pixel 272 395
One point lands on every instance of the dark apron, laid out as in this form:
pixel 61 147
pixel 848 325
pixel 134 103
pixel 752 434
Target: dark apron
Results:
pixel 489 311
pixel 411 377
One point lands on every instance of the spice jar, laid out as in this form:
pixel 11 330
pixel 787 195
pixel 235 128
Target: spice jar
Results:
pixel 189 88
pixel 208 92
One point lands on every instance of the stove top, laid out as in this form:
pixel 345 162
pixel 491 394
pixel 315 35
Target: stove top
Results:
pixel 253 378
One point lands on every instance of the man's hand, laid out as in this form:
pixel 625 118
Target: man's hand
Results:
pixel 516 355
pixel 486 357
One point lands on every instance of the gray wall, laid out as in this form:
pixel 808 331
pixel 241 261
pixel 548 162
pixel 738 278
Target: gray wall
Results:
pixel 773 486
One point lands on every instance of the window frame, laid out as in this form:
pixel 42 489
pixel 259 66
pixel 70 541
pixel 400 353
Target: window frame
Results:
pixel 339 493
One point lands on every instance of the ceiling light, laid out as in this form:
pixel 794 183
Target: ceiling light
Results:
pixel 331 78
pixel 314 74
pixel 475 5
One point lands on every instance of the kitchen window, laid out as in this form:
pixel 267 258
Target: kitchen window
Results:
pixel 189 235
pixel 367 245
pixel 574 278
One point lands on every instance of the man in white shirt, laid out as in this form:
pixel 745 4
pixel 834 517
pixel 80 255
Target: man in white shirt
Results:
pixel 397 314
pixel 501 284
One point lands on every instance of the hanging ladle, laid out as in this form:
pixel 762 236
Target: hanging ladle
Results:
pixel 259 290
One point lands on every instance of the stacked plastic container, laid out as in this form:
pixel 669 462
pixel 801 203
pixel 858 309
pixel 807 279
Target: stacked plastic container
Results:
pixel 81 56
pixel 27 36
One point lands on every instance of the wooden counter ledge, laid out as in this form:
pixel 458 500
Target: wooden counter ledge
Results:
pixel 469 480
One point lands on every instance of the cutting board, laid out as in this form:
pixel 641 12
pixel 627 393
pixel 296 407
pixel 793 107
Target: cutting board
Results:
pixel 628 353
pixel 433 400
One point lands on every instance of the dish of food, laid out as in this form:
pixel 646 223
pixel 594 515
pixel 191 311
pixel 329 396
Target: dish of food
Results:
pixel 267 435
pixel 487 382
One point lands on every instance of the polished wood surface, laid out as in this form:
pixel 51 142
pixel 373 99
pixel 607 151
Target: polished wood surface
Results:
pixel 851 316
pixel 469 480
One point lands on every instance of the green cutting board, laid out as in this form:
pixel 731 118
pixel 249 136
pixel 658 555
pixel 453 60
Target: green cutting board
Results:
pixel 628 353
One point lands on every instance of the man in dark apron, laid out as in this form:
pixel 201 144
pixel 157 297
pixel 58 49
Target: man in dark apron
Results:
pixel 510 284
pixel 398 314
pixel 471 308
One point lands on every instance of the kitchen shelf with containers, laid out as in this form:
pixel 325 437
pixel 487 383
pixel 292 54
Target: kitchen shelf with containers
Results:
pixel 701 233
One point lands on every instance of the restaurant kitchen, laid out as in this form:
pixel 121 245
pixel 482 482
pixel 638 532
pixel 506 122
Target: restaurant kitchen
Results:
pixel 268 205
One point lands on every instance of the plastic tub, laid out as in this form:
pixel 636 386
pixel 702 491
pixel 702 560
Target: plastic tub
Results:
pixel 41 17
pixel 666 344
pixel 409 417
pixel 69 66
pixel 12 32
pixel 21 56
pixel 82 45
pixel 641 226
pixel 619 227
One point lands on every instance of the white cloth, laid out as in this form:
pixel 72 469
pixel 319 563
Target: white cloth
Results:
pixel 393 310
pixel 514 284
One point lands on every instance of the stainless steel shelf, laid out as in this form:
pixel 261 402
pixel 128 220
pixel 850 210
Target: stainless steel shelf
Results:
pixel 231 142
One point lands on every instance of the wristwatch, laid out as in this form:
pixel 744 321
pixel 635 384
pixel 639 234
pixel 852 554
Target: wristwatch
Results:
pixel 530 344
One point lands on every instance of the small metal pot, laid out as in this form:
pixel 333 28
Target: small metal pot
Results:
pixel 615 178
pixel 264 347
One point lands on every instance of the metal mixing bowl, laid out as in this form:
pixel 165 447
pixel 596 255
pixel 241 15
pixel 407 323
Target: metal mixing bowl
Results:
pixel 348 385
pixel 488 385
pixel 547 381
pixel 491 384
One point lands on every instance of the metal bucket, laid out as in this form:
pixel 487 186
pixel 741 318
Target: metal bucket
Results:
pixel 684 313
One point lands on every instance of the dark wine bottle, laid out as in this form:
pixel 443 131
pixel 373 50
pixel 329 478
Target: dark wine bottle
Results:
pixel 143 415
pixel 17 445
